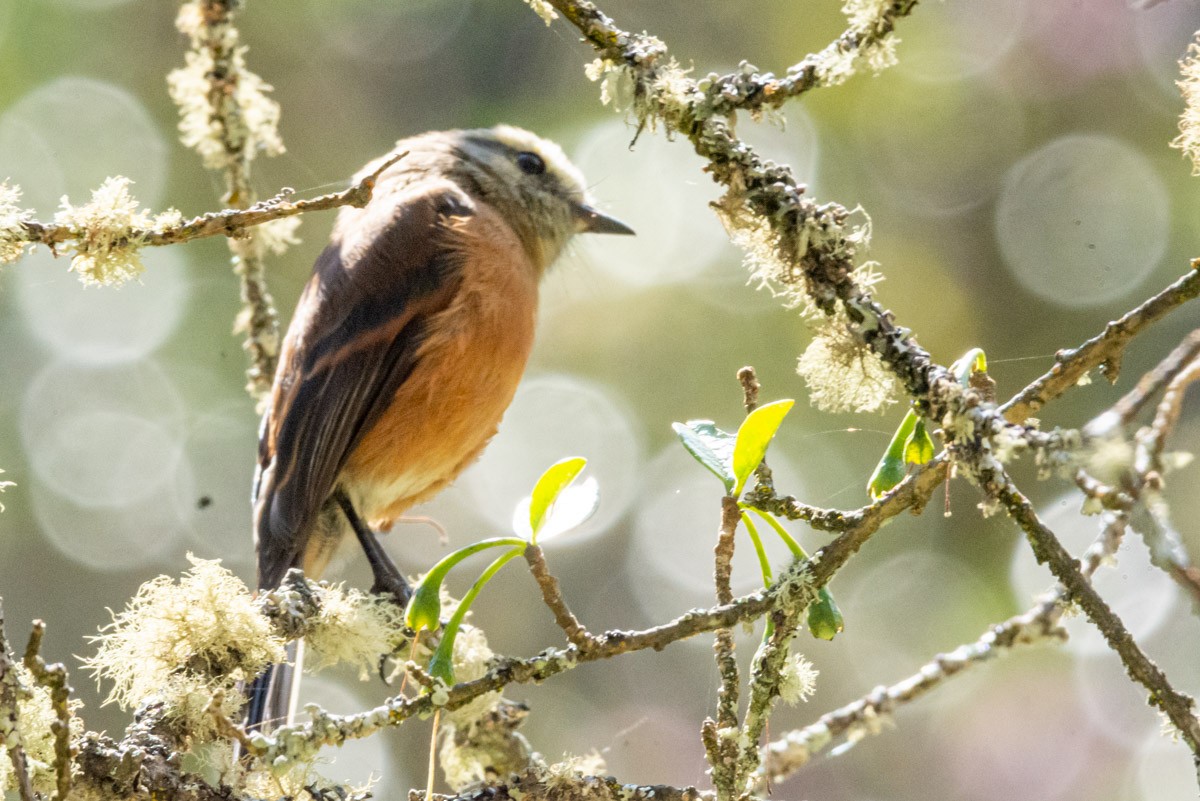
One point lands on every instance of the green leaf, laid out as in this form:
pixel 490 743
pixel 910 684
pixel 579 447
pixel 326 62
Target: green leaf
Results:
pixel 891 468
pixel 824 617
pixel 711 447
pixel 918 448
pixel 753 437
pixel 575 506
pixel 441 663
pixel 552 482
pixel 425 605
pixel 973 361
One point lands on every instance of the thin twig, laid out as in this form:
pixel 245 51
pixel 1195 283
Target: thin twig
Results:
pixel 1103 350
pixel 552 596
pixel 54 679
pixel 1132 402
pixel 788 754
pixel 11 693
pixel 258 318
pixel 226 222
pixel 723 750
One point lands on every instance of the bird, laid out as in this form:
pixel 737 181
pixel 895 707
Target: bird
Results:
pixel 405 349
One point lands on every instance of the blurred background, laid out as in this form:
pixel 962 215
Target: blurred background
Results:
pixel 1016 170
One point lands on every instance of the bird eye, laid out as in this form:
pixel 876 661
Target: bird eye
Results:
pixel 530 163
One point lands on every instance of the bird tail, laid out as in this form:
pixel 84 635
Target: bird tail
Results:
pixel 271 698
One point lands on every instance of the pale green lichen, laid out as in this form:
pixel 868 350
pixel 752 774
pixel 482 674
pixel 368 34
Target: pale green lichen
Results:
pixel 354 627
pixel 616 82
pixel 843 374
pixel 797 680
pixel 108 232
pixel 184 643
pixel 3 486
pixel 252 121
pixel 562 777
pixel 1189 121
pixel 35 718
pixel 12 231
pixel 544 10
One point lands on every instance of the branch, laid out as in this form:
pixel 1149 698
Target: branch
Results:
pixel 11 692
pixel 536 785
pixel 787 755
pixel 1104 350
pixel 1047 548
pixel 576 634
pixel 232 223
pixel 235 122
pixel 54 678
pixel 747 90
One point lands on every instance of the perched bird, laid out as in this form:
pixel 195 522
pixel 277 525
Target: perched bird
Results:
pixel 405 349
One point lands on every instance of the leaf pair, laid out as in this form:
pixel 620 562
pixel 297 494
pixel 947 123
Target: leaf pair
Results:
pixel 911 444
pixel 733 457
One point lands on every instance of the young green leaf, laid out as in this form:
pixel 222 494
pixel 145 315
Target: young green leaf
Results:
pixel 425 605
pixel 710 446
pixel 973 361
pixel 575 506
pixel 918 448
pixel 891 468
pixel 753 437
pixel 824 617
pixel 552 482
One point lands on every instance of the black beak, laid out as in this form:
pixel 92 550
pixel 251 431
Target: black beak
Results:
pixel 590 221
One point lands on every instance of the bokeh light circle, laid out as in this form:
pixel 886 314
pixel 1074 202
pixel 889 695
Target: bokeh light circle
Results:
pixel 1163 33
pixel 661 192
pixel 1115 706
pixel 102 437
pixel 1140 593
pixel 50 138
pixel 221 450
pixel 114 537
pixel 1082 220
pixel 552 417
pixel 1017 736
pixel 1164 771
pixel 103 325
pixel 952 41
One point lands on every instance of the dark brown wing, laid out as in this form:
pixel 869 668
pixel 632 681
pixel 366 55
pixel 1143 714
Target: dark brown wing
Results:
pixel 352 343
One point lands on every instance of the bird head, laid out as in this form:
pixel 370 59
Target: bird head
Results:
pixel 526 178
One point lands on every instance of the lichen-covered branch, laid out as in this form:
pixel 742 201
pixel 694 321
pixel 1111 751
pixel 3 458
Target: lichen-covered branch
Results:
pixel 54 679
pixel 12 692
pixel 535 785
pixel 868 40
pixel 232 223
